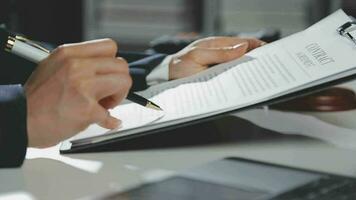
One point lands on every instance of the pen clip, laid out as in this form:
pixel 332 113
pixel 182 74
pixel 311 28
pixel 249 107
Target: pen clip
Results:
pixel 346 29
pixel 30 42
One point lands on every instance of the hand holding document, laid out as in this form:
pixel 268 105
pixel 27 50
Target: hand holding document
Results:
pixel 309 58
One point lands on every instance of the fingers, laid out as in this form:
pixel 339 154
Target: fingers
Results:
pixel 100 77
pixel 103 86
pixel 216 42
pixel 95 48
pixel 110 102
pixel 209 56
pixel 99 66
pixel 254 43
pixel 103 118
pixel 96 79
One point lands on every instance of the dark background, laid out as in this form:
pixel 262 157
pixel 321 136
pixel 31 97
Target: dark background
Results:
pixel 61 21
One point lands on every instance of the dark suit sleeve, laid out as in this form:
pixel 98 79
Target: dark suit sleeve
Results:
pixel 13 126
pixel 141 68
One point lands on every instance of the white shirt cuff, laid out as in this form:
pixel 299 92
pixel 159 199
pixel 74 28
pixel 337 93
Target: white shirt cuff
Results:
pixel 159 74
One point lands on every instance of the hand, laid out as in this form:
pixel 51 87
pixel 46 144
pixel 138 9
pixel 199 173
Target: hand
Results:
pixel 203 53
pixel 72 89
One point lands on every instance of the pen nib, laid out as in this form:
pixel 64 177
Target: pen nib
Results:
pixel 153 106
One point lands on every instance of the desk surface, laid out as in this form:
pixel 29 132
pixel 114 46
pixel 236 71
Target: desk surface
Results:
pixel 48 175
pixel 64 178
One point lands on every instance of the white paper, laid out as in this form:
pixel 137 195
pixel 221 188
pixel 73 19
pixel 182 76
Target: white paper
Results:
pixel 314 56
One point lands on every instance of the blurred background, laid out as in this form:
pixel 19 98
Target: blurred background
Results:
pixel 136 23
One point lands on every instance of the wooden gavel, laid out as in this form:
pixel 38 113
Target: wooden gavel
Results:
pixel 329 100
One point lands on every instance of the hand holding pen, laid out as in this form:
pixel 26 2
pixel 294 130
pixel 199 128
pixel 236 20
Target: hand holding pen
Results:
pixel 72 88
pixel 35 53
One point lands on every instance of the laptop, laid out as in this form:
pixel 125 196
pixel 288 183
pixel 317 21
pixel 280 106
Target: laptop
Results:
pixel 243 179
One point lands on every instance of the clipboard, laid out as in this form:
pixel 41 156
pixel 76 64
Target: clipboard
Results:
pixel 109 145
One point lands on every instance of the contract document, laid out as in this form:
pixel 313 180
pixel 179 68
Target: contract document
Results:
pixel 314 56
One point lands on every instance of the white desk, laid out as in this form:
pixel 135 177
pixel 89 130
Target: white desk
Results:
pixel 48 175
pixel 51 179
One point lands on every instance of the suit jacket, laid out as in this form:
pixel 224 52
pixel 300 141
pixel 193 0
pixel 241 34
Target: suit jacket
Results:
pixel 13 117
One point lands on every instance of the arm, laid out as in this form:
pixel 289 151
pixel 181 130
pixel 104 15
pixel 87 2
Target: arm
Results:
pixel 13 134
pixel 195 58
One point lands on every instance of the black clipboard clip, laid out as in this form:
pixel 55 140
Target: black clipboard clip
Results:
pixel 346 29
